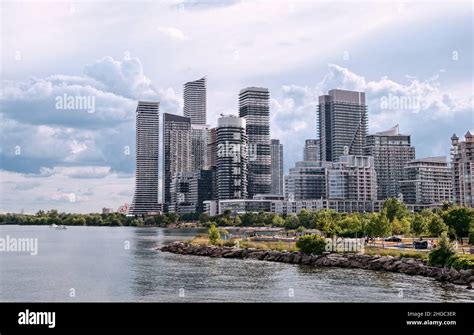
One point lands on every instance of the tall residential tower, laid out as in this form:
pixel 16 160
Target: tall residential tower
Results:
pixel 254 108
pixel 177 156
pixel 342 122
pixel 391 151
pixel 231 158
pixel 276 153
pixel 145 199
pixel 195 100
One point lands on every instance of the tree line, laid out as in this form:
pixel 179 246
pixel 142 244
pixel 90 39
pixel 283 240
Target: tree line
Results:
pixel 394 219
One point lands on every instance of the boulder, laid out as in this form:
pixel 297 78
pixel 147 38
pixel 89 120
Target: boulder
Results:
pixel 306 259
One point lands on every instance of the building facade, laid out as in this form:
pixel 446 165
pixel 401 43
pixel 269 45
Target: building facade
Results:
pixel 254 108
pixel 212 147
pixel 427 181
pixel 182 199
pixel 353 177
pixel 145 199
pixel 307 180
pixel 232 158
pixel 177 155
pixel 276 154
pixel 195 101
pixel 462 163
pixel 391 151
pixel 342 122
pixel 199 146
pixel 311 150
pixel 189 190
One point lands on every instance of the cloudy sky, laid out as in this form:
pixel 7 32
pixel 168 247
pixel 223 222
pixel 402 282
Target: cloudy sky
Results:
pixel 81 160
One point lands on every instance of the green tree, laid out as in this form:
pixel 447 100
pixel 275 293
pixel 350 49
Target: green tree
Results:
pixel 213 235
pixel 305 218
pixel 378 226
pixel 418 225
pixel 160 220
pixel 292 221
pixel 149 221
pixel 327 220
pixel 247 219
pixel 204 217
pixel 436 225
pixel 460 220
pixel 172 218
pixel 395 209
pixel 383 227
pixel 311 244
pixel 278 221
pixel 350 225
pixel 237 220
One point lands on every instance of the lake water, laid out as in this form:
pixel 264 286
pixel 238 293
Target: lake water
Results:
pixel 122 264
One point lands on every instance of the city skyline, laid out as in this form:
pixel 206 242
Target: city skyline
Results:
pixel 52 155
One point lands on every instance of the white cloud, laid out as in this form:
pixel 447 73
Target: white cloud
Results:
pixel 173 33
pixel 433 117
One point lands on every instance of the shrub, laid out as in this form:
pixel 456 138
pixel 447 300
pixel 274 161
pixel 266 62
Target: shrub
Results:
pixel 311 244
pixel 460 262
pixel 229 243
pixel 440 255
pixel 214 235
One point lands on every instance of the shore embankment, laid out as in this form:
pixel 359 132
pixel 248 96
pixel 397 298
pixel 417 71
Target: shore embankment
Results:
pixel 406 265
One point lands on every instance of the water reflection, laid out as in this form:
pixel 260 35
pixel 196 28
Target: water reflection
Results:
pixel 96 262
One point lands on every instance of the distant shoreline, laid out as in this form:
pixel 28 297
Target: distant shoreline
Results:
pixel 196 226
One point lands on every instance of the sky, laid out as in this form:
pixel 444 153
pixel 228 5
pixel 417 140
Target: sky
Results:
pixel 414 61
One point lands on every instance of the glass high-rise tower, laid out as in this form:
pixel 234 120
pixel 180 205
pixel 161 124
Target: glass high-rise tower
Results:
pixel 195 100
pixel 177 156
pixel 145 199
pixel 254 108
pixel 277 167
pixel 342 123
pixel 231 158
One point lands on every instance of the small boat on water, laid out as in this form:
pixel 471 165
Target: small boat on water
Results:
pixel 53 225
pixel 61 227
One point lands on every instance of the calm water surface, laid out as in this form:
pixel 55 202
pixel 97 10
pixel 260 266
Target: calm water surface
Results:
pixel 121 264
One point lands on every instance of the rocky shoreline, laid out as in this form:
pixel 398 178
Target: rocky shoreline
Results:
pixel 409 266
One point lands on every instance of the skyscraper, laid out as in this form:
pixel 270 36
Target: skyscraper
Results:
pixel 145 199
pixel 177 155
pixel 254 108
pixel 276 154
pixel 427 181
pixel 195 101
pixel 391 151
pixel 342 122
pixel 212 147
pixel 231 158
pixel 199 142
pixel 462 162
pixel 311 150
